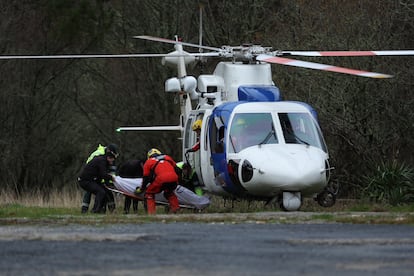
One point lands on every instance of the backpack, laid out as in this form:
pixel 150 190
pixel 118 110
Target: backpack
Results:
pixel 160 158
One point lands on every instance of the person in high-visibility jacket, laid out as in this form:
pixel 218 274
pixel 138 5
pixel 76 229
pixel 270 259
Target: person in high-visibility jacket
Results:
pixel 159 176
pixel 100 150
pixel 93 176
pixel 189 178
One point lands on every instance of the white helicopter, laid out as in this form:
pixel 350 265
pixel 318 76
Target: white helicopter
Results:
pixel 253 145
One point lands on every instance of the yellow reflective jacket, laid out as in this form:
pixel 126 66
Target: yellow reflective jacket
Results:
pixel 99 151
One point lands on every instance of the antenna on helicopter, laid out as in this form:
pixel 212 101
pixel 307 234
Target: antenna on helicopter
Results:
pixel 200 30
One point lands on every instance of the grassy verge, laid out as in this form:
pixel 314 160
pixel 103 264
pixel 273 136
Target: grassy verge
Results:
pixel 64 209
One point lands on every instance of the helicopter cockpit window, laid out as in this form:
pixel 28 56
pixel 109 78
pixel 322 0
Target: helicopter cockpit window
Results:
pixel 249 129
pixel 217 135
pixel 301 128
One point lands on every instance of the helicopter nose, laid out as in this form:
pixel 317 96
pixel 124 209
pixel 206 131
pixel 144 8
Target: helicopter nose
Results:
pixel 293 168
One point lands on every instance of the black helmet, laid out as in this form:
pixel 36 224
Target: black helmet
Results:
pixel 112 150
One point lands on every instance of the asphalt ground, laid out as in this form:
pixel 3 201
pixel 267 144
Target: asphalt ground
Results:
pixel 252 246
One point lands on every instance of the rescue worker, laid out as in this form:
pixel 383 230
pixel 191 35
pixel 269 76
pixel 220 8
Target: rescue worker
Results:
pixel 159 175
pixel 197 128
pixel 87 195
pixel 93 176
pixel 192 175
pixel 131 169
pixel 189 178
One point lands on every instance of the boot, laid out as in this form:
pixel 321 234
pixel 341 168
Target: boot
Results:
pixel 127 205
pixel 111 206
pixel 151 207
pixel 173 201
pixel 135 206
pixel 84 208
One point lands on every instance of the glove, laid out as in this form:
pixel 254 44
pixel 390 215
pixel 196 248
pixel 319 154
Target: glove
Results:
pixel 189 150
pixel 198 191
pixel 138 191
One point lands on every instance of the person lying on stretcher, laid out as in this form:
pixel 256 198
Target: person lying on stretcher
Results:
pixel 184 195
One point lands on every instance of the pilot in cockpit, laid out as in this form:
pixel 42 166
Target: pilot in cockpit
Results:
pixel 238 135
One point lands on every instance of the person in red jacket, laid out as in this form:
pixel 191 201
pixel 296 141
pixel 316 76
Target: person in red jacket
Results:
pixel 160 176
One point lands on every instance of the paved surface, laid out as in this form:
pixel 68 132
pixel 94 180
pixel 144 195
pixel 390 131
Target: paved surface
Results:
pixel 208 249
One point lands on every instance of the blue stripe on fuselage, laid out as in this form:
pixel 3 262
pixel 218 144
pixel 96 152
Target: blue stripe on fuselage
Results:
pixel 221 175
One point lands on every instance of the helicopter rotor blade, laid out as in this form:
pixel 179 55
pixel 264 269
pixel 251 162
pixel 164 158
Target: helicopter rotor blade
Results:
pixel 80 56
pixel 320 66
pixel 149 128
pixel 106 56
pixel 348 53
pixel 164 40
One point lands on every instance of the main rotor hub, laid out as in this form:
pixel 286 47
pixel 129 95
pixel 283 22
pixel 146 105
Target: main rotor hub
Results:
pixel 245 52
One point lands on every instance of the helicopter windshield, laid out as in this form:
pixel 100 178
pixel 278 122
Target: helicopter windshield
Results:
pixel 249 129
pixel 301 128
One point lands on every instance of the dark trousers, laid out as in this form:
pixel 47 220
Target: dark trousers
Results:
pixel 127 205
pixel 86 200
pixel 102 195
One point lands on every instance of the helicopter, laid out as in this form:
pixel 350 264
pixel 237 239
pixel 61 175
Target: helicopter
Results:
pixel 253 144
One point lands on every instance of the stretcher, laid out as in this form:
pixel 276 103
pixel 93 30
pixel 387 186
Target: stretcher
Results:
pixel 186 198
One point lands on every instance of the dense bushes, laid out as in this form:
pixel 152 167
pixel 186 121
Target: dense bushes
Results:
pixel 391 183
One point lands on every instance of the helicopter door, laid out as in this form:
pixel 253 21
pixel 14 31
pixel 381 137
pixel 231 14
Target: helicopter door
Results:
pixel 188 135
pixel 217 159
pixel 190 139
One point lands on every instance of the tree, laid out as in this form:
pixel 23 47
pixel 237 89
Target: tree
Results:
pixel 55 112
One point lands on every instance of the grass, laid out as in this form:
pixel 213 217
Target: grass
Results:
pixel 60 198
pixel 63 207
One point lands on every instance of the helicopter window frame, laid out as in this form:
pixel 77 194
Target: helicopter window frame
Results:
pixel 254 130
pixel 188 132
pixel 216 134
pixel 301 128
pixel 206 133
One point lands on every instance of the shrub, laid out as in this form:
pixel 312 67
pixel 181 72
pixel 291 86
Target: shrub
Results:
pixel 390 182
